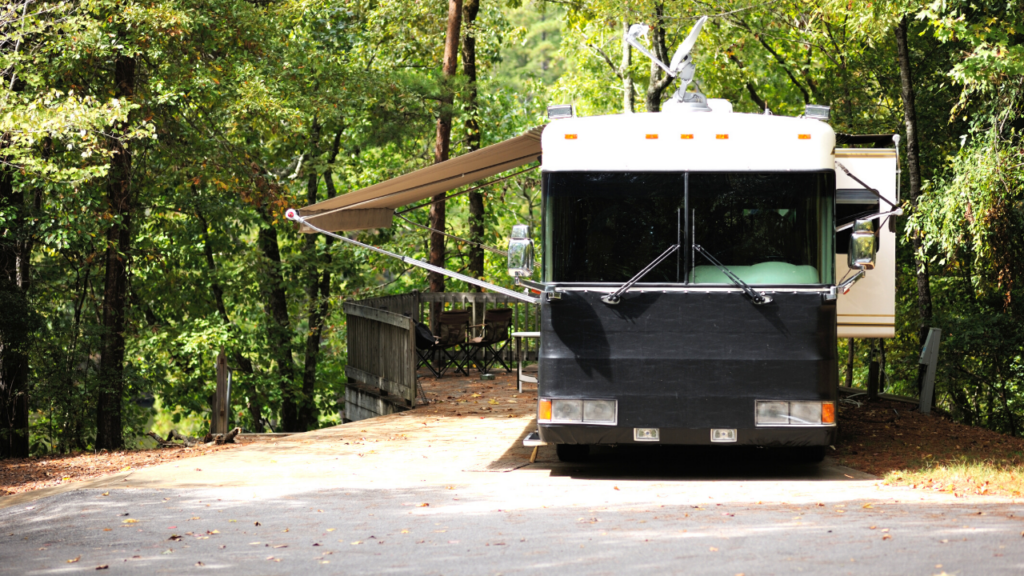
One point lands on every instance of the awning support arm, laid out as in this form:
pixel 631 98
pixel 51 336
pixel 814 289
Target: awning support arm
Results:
pixel 866 187
pixel 293 215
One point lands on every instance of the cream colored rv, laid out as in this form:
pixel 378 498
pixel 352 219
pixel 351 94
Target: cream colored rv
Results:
pixel 868 309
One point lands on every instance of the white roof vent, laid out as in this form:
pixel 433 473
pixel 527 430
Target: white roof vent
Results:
pixel 720 105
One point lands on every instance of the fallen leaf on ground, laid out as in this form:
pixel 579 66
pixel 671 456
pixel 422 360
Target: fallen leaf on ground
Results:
pixel 200 563
pixel 422 505
pixel 103 567
pixel 75 559
pixel 129 521
pixel 713 549
pixel 257 524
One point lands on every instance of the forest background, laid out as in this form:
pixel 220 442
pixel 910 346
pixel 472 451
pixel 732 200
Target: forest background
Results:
pixel 148 149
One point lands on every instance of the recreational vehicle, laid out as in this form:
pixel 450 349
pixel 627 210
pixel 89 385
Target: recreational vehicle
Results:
pixel 696 268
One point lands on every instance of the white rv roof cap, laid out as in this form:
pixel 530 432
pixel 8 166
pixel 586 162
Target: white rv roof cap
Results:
pixel 708 142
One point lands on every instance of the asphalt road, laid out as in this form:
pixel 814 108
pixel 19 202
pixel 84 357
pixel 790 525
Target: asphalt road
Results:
pixel 635 512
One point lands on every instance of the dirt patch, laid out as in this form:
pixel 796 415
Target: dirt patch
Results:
pixel 25 474
pixel 890 440
pixel 471 397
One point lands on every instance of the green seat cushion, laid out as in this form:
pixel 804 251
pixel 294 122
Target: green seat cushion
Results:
pixel 763 273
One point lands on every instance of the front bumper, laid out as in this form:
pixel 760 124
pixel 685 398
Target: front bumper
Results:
pixel 790 436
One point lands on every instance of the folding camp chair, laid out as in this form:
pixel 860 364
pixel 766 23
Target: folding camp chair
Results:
pixel 497 325
pixel 448 346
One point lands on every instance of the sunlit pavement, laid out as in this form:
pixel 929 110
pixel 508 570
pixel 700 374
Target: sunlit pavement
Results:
pixel 458 496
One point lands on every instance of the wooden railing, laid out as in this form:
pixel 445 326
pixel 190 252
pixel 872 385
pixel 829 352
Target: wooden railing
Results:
pixel 382 358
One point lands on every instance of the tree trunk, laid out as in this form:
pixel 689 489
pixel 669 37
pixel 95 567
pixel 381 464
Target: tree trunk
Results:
pixel 924 293
pixel 325 278
pixel 476 199
pixel 873 373
pixel 441 144
pixel 115 290
pixel 849 361
pixel 628 98
pixel 279 325
pixel 15 326
pixel 242 363
pixel 307 418
pixel 660 80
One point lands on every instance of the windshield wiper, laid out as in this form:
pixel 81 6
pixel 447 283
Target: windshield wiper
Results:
pixel 756 297
pixel 616 297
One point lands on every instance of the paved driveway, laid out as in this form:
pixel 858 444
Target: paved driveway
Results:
pixel 408 495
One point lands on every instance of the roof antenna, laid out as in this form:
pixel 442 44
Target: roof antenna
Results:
pixel 681 67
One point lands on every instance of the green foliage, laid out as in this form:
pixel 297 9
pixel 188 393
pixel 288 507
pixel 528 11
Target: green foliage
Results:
pixel 238 106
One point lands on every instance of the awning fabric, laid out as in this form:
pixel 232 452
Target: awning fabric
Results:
pixel 373 206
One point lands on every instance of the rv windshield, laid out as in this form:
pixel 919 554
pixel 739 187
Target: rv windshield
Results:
pixel 768 228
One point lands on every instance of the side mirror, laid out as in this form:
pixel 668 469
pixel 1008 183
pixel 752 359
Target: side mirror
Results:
pixel 520 252
pixel 861 255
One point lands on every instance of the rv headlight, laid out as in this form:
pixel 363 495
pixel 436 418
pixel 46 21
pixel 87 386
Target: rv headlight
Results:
pixel 599 411
pixel 771 413
pixel 805 413
pixel 567 410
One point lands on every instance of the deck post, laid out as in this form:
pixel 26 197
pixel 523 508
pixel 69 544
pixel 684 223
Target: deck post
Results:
pixel 219 421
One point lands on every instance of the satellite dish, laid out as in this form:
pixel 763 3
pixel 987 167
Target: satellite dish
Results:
pixel 683 52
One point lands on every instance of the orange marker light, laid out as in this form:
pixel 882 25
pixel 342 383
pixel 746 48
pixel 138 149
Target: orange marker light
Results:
pixel 803 136
pixel 652 136
pixel 544 410
pixel 828 413
pixel 570 136
pixel 721 136
pixel 686 136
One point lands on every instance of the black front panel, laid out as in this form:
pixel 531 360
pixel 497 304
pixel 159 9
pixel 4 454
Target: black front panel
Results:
pixel 688 360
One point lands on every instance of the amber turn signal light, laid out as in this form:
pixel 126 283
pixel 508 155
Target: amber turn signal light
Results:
pixel 828 413
pixel 544 410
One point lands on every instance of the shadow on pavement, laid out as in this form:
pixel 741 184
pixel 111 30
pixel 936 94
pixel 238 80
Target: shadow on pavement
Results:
pixel 516 455
pixel 703 463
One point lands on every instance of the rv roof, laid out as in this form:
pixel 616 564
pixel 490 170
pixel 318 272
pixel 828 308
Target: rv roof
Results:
pixel 669 142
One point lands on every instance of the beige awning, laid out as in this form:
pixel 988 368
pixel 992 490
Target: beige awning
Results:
pixel 373 206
